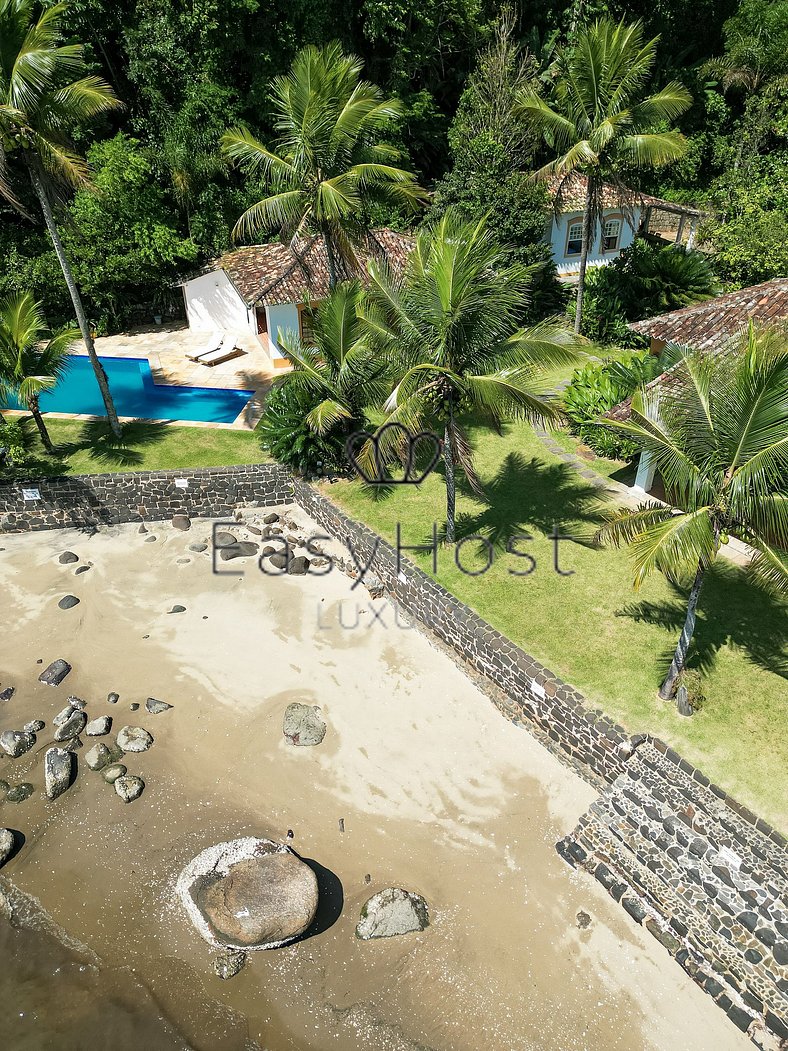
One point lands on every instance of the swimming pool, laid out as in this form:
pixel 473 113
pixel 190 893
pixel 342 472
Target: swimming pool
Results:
pixel 135 394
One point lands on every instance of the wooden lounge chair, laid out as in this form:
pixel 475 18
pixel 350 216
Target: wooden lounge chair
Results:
pixel 227 351
pixel 213 343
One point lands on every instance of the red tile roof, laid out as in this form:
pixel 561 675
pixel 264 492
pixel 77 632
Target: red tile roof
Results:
pixel 710 326
pixel 275 273
pixel 573 195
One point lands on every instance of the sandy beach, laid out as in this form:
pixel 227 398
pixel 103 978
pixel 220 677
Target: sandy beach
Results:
pixel 420 783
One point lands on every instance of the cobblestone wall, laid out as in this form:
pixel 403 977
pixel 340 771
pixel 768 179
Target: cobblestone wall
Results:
pixel 136 496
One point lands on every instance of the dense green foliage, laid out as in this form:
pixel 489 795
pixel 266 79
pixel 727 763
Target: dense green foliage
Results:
pixel 285 433
pixel 646 279
pixel 187 73
pixel 595 389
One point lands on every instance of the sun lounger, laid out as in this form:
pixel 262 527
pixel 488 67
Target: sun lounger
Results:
pixel 213 344
pixel 223 353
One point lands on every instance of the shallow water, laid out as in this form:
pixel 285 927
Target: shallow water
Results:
pixel 435 791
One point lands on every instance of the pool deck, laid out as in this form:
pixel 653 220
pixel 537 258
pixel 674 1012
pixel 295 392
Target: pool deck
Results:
pixel 166 346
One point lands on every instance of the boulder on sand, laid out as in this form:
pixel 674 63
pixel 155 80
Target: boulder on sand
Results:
pixel 391 912
pixel 68 602
pixel 6 845
pixel 249 894
pixel 129 787
pixel 156 707
pixel 67 557
pixel 55 673
pixel 72 727
pixel 58 769
pixel 303 725
pixel 99 756
pixel 16 742
pixel 99 727
pixel 182 522
pixel 134 739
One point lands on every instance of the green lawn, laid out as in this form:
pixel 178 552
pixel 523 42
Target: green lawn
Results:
pixel 91 448
pixel 592 629
pixel 616 470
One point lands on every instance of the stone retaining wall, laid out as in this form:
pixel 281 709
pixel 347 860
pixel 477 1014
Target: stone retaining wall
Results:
pixel 704 874
pixel 136 496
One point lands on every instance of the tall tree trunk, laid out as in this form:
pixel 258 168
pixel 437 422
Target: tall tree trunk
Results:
pixel 668 687
pixel 79 310
pixel 585 245
pixel 331 260
pixel 451 491
pixel 46 441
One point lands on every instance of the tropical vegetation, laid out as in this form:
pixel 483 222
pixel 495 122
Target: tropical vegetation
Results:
pixel 718 435
pixel 598 120
pixel 29 364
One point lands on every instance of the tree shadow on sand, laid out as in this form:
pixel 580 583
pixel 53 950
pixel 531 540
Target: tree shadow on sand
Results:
pixel 732 610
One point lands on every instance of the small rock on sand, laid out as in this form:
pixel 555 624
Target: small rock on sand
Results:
pixel 68 602
pixel 112 772
pixel 241 549
pixel 34 726
pixel 99 727
pixel 55 673
pixel 392 912
pixel 7 845
pixel 298 565
pixel 178 609
pixel 4 786
pixel 224 539
pixel 72 727
pixel 16 742
pixel 142 528
pixel 150 539
pixel 98 756
pixel 113 698
pixel 156 707
pixel 81 569
pixel 182 522
pixel 134 739
pixel 199 548
pixel 67 557
pixel 129 787
pixel 58 768
pixel 19 793
pixel 64 715
pixel 228 964
pixel 76 703
pixel 583 920
pixel 270 519
pixel 7 693
pixel 303 724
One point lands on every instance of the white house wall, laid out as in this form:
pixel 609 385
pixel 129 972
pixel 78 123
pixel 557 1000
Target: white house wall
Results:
pixel 559 228
pixel 212 302
pixel 282 318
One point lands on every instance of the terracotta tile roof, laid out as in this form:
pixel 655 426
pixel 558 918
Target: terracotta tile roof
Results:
pixel 274 273
pixel 573 195
pixel 710 326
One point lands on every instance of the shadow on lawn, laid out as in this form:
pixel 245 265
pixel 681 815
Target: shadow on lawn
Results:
pixel 731 610
pixel 527 495
pixel 98 439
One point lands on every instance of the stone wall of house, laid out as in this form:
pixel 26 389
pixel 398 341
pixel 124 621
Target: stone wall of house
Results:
pixel 705 875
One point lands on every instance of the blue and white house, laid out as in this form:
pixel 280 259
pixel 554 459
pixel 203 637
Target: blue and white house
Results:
pixel 620 223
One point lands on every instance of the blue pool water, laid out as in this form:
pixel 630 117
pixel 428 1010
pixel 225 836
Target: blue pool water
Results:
pixel 135 394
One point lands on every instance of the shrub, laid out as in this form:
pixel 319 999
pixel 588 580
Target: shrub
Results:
pixel 285 435
pixel 648 278
pixel 595 389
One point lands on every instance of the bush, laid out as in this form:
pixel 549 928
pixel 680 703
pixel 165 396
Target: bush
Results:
pixel 648 278
pixel 285 435
pixel 13 439
pixel 595 389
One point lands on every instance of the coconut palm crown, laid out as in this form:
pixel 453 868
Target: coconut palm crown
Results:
pixel 450 325
pixel 30 365
pixel 42 97
pixel 600 118
pixel 717 431
pixel 329 163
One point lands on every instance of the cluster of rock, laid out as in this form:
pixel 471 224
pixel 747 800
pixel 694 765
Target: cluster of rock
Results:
pixel 287 551
pixel 69 725
pixel 249 894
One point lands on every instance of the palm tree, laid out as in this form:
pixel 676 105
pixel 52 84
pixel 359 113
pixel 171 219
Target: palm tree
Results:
pixel 450 326
pixel 600 119
pixel 28 365
pixel 336 368
pixel 718 435
pixel 40 102
pixel 329 163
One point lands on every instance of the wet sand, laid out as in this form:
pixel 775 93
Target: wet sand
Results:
pixel 438 793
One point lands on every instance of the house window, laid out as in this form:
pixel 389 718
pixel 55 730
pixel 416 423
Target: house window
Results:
pixel 611 235
pixel 574 238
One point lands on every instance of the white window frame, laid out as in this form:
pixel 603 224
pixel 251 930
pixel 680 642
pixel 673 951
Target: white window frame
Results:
pixel 611 219
pixel 577 221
